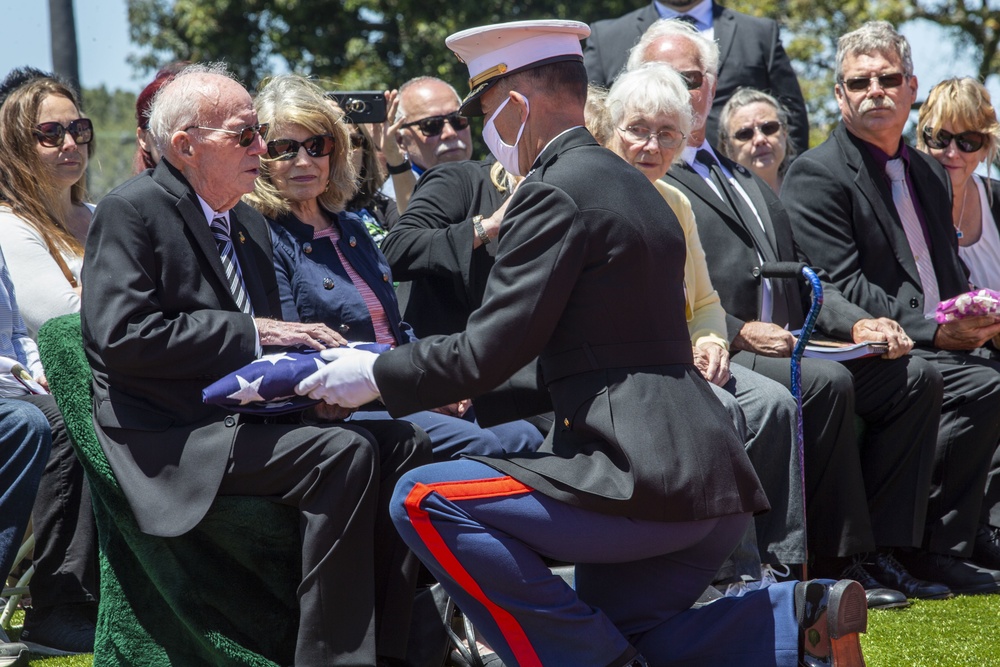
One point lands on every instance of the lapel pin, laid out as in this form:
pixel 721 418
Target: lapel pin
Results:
pixel 243 239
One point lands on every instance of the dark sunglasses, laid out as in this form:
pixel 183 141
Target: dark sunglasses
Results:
pixel 767 129
pixel 52 134
pixel 861 84
pixel 967 142
pixel 320 145
pixel 432 126
pixel 693 79
pixel 246 133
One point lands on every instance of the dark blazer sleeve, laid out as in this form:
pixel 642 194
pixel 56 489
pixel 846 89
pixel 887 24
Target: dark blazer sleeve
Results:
pixel 530 284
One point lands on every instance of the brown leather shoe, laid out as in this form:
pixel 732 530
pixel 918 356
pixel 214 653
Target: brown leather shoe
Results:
pixel 830 617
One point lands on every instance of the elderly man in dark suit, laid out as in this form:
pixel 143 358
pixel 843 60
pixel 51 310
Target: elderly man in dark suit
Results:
pixel 877 216
pixel 860 501
pixel 750 54
pixel 643 483
pixel 181 291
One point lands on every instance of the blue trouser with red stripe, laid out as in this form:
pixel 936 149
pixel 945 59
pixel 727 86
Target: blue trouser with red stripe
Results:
pixel 484 535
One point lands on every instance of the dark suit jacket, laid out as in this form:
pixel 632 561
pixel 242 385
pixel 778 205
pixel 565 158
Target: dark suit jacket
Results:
pixel 429 249
pixel 159 325
pixel 750 54
pixel 585 243
pixel 734 254
pixel 842 212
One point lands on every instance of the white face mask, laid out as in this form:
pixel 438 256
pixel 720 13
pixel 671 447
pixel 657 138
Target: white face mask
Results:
pixel 506 154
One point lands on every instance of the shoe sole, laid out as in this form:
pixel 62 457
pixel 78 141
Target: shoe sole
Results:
pixel 19 660
pixel 846 617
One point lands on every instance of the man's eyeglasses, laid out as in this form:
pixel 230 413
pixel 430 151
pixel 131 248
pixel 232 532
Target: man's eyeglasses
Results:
pixel 861 84
pixel 693 79
pixel 320 145
pixel 767 129
pixel 246 133
pixel 967 142
pixel 667 138
pixel 52 134
pixel 432 126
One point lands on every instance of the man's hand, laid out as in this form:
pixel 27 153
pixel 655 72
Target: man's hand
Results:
pixel 454 409
pixel 712 361
pixel 491 225
pixel 883 329
pixel 347 380
pixel 384 134
pixel 289 334
pixel 967 334
pixel 764 338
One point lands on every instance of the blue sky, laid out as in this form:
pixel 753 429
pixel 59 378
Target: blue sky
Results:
pixel 102 27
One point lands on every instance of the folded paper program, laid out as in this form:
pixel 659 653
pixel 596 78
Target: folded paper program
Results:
pixel 970 304
pixel 266 386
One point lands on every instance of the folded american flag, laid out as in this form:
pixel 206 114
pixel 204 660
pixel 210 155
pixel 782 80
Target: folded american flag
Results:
pixel 266 386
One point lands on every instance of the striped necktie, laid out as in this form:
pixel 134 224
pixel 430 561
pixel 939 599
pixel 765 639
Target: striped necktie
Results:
pixel 220 230
pixel 896 171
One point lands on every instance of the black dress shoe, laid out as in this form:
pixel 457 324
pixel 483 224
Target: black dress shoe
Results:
pixel 888 570
pixel 878 596
pixel 830 616
pixel 986 552
pixel 962 576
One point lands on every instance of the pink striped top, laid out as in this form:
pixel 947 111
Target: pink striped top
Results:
pixel 383 332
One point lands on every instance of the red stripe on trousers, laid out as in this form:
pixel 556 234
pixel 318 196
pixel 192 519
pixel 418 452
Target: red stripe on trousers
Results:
pixel 512 631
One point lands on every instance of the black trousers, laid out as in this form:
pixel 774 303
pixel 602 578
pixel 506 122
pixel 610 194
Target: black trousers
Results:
pixel 872 493
pixel 358 577
pixel 965 489
pixel 65 555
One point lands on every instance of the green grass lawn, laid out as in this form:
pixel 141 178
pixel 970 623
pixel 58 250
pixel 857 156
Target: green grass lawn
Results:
pixel 961 632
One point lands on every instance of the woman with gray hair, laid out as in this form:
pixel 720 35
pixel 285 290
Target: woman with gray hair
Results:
pixel 753 131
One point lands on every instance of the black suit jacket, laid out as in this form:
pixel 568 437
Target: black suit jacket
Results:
pixel 429 249
pixel 159 325
pixel 588 277
pixel 844 218
pixel 734 254
pixel 750 54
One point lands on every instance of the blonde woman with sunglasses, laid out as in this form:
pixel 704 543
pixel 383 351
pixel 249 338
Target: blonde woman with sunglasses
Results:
pixel 958 127
pixel 43 174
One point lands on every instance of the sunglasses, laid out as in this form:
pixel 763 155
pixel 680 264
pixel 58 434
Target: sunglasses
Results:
pixel 767 129
pixel 246 133
pixel 52 134
pixel 861 84
pixel 967 142
pixel 432 126
pixel 320 145
pixel 693 79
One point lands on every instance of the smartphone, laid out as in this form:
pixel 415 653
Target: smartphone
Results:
pixel 361 106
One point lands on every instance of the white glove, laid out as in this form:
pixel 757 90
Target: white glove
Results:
pixel 347 380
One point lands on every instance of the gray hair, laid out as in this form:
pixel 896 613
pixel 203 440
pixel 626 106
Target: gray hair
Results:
pixel 741 98
pixel 874 37
pixel 650 89
pixel 180 103
pixel 419 81
pixel 671 28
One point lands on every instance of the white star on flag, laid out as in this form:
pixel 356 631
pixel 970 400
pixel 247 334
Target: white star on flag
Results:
pixel 274 358
pixel 248 391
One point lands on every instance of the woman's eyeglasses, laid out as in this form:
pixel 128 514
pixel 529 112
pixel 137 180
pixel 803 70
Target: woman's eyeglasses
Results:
pixel 967 142
pixel 52 134
pixel 432 126
pixel 667 138
pixel 861 84
pixel 320 145
pixel 767 129
pixel 246 133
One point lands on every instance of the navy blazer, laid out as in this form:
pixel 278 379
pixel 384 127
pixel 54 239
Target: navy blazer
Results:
pixel 750 54
pixel 314 286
